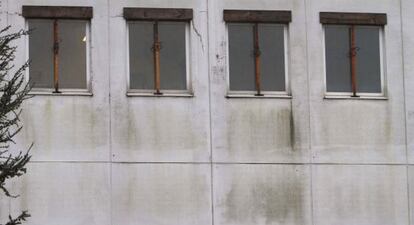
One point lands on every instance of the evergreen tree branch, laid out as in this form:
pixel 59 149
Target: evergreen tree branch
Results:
pixel 13 91
pixel 18 220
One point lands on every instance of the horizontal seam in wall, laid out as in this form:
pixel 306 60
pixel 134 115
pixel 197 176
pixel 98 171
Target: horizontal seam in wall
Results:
pixel 226 163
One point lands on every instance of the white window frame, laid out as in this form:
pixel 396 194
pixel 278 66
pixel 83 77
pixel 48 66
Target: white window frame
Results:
pixel 361 95
pixel 188 92
pixel 65 91
pixel 266 94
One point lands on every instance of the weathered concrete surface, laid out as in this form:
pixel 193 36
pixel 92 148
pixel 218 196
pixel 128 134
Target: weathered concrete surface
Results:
pixel 69 128
pixel 259 130
pixel 65 194
pixel 262 194
pixel 407 15
pixel 360 195
pixel 160 129
pixel 411 191
pixel 4 208
pixel 98 133
pixel 161 194
pixel 3 13
pixel 350 131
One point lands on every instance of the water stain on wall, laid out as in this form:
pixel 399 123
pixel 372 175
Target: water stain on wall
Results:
pixel 265 200
pixel 354 125
pixel 166 195
pixel 161 128
pixel 252 130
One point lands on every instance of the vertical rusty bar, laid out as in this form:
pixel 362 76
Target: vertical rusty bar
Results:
pixel 353 61
pixel 257 59
pixel 56 56
pixel 157 49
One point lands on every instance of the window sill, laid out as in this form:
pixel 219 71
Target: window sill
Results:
pixel 342 97
pixel 281 96
pixel 67 93
pixel 164 95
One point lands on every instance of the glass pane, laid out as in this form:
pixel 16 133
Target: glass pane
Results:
pixel 368 59
pixel 241 58
pixel 338 68
pixel 72 54
pixel 172 57
pixel 141 61
pixel 41 53
pixel 272 59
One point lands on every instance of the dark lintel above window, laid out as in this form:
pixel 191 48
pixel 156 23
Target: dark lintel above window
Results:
pixel 159 14
pixel 57 12
pixel 376 19
pixel 257 16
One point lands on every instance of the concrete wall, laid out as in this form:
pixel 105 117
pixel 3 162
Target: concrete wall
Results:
pixel 109 159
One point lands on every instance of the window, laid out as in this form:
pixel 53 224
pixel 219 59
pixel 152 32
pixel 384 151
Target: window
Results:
pixel 158 50
pixel 257 51
pixel 353 49
pixel 58 47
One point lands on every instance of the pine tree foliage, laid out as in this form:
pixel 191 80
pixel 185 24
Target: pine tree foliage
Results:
pixel 13 91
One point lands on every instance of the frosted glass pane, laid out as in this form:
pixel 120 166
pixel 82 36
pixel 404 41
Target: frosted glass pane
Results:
pixel 241 57
pixel 41 53
pixel 368 59
pixel 272 59
pixel 172 58
pixel 338 68
pixel 141 39
pixel 72 54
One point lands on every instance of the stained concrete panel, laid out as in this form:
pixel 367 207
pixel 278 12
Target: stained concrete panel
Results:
pixel 161 194
pixel 69 128
pixel 360 195
pixel 160 129
pixel 64 193
pixel 3 13
pixel 407 8
pixel 358 132
pixel 262 194
pixel 4 204
pixel 365 130
pixel 258 129
pixel 4 208
pixel 411 191
pixel 64 128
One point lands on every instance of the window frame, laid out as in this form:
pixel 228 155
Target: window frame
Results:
pixel 188 92
pixel 275 17
pixel 278 94
pixel 361 19
pixel 138 14
pixel 64 91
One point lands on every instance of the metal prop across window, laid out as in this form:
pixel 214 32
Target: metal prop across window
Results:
pixel 57 46
pixel 157 37
pixel 257 49
pixel 353 52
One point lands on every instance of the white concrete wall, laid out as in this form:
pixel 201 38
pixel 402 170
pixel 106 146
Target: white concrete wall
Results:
pixel 373 129
pixel 109 159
